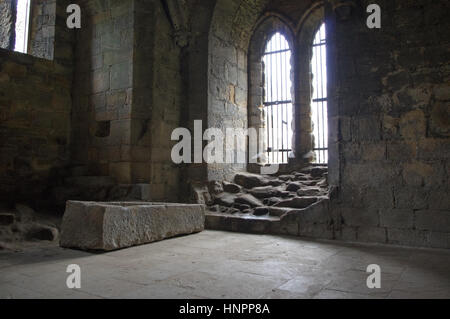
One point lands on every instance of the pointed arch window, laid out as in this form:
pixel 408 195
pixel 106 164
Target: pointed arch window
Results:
pixel 277 98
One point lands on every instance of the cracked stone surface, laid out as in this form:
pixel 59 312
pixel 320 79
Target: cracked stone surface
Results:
pixel 214 264
pixel 110 226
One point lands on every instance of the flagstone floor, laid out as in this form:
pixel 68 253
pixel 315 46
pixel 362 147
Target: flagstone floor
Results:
pixel 216 264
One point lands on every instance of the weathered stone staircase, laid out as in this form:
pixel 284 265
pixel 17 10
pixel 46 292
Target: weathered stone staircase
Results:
pixel 271 204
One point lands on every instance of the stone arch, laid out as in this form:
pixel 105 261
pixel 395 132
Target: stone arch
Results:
pixel 266 27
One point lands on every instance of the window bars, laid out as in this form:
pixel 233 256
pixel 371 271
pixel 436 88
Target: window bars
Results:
pixel 319 102
pixel 22 26
pixel 278 99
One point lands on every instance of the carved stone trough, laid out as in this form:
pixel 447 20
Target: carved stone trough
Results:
pixel 111 226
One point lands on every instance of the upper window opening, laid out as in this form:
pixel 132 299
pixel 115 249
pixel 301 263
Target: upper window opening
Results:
pixel 22 25
pixel 319 102
pixel 278 99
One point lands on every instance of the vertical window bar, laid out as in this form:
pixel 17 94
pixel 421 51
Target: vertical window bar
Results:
pixel 22 26
pixel 320 95
pixel 319 102
pixel 283 107
pixel 280 108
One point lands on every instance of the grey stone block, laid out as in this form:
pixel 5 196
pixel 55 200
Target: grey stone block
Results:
pixel 372 234
pixel 110 226
pixel 397 218
pixel 433 220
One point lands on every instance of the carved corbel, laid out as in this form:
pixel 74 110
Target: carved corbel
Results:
pixel 179 17
pixel 343 8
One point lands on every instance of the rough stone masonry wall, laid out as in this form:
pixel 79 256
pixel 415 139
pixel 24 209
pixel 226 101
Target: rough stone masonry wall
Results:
pixel 7 23
pixel 128 94
pixel 230 32
pixel 42 28
pixel 391 112
pixel 35 106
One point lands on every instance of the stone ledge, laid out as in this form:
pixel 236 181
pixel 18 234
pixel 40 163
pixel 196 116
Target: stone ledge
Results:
pixel 115 225
pixel 303 222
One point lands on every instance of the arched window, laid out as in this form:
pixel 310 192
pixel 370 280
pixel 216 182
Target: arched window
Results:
pixel 277 99
pixel 319 103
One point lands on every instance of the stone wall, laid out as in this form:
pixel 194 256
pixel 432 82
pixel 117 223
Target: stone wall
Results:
pixel 42 28
pixel 35 99
pixel 7 24
pixel 229 37
pixel 136 80
pixel 390 113
pixel 388 117
pixel 101 117
pixel 127 94
pixel 34 124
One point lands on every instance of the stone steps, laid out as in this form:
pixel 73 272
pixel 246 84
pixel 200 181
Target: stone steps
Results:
pixel 269 204
pixel 294 222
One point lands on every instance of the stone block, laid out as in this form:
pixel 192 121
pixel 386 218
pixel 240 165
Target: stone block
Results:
pixel 111 226
pixel 408 237
pixel 411 197
pixel 360 217
pixel 433 220
pixel 121 76
pixel 397 218
pixel 14 70
pixel 121 171
pixel 413 125
pixel 439 120
pixel 366 129
pixel 372 234
pixel 100 81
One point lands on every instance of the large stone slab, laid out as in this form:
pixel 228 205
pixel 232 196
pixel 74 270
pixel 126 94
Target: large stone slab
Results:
pixel 110 226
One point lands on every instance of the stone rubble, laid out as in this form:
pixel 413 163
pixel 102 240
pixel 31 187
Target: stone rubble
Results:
pixel 261 195
pixel 21 224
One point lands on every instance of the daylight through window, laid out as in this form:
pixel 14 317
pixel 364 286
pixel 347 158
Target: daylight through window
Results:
pixel 277 99
pixel 22 25
pixel 319 102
